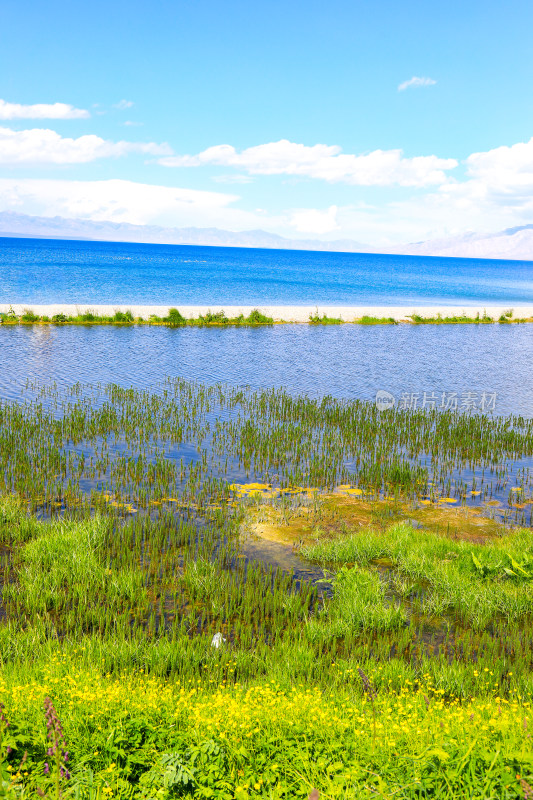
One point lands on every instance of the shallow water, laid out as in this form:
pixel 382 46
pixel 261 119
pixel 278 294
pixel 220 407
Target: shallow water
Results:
pixel 347 361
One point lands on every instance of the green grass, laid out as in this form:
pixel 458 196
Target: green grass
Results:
pixel 462 319
pixel 367 320
pixel 121 556
pixel 277 709
pixel 173 319
pixel 473 582
pixel 316 319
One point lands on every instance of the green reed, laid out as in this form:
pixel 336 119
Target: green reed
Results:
pixel 129 444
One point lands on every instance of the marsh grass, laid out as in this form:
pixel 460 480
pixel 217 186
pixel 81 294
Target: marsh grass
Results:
pixel 448 568
pixel 462 319
pixel 358 605
pixel 122 556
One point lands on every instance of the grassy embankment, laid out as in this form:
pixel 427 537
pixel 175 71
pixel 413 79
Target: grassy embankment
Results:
pixel 175 319
pixel 316 319
pixel 112 598
pixel 506 318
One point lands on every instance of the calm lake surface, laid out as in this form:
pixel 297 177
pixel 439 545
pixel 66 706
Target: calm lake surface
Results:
pixel 57 271
pixel 348 361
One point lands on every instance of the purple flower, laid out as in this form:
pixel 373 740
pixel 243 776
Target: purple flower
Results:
pixel 56 739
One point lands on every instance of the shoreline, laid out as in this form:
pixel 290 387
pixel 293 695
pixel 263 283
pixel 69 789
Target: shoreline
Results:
pixel 293 313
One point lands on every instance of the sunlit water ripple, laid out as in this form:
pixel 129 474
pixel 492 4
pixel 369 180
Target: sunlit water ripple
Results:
pixel 347 361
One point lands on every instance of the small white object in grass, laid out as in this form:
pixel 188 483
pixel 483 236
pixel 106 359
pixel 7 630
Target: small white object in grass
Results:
pixel 217 640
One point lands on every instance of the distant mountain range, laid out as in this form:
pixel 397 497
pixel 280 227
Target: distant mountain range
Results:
pixel 512 243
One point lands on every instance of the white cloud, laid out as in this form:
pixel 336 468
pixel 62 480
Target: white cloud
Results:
pixel 324 162
pixel 114 200
pixel 416 83
pixel 122 105
pixel 505 169
pixel 232 178
pixel 41 111
pixel 495 191
pixel 44 146
pixel 315 221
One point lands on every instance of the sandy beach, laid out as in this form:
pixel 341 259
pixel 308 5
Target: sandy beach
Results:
pixel 288 313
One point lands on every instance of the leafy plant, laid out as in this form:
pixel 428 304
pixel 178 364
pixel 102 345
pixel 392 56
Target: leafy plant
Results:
pixel 214 318
pixel 255 317
pixel 518 570
pixel 123 316
pixel 515 570
pixel 174 317
pixel 29 316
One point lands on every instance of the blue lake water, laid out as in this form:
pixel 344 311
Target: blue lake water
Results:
pixel 348 361
pixel 51 271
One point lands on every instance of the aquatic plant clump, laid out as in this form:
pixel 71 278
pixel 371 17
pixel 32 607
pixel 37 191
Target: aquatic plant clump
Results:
pixel 316 319
pixel 369 320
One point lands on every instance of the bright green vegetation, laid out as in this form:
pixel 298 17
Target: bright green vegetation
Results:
pixel 217 318
pixel 474 582
pixel 316 319
pixel 124 550
pixel 417 319
pixel 114 620
pixel 138 736
pixel 173 319
pixel 506 317
pixel 366 320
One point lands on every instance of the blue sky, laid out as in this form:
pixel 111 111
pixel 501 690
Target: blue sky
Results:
pixel 281 116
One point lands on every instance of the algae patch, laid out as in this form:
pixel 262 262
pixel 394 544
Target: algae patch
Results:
pixel 306 517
